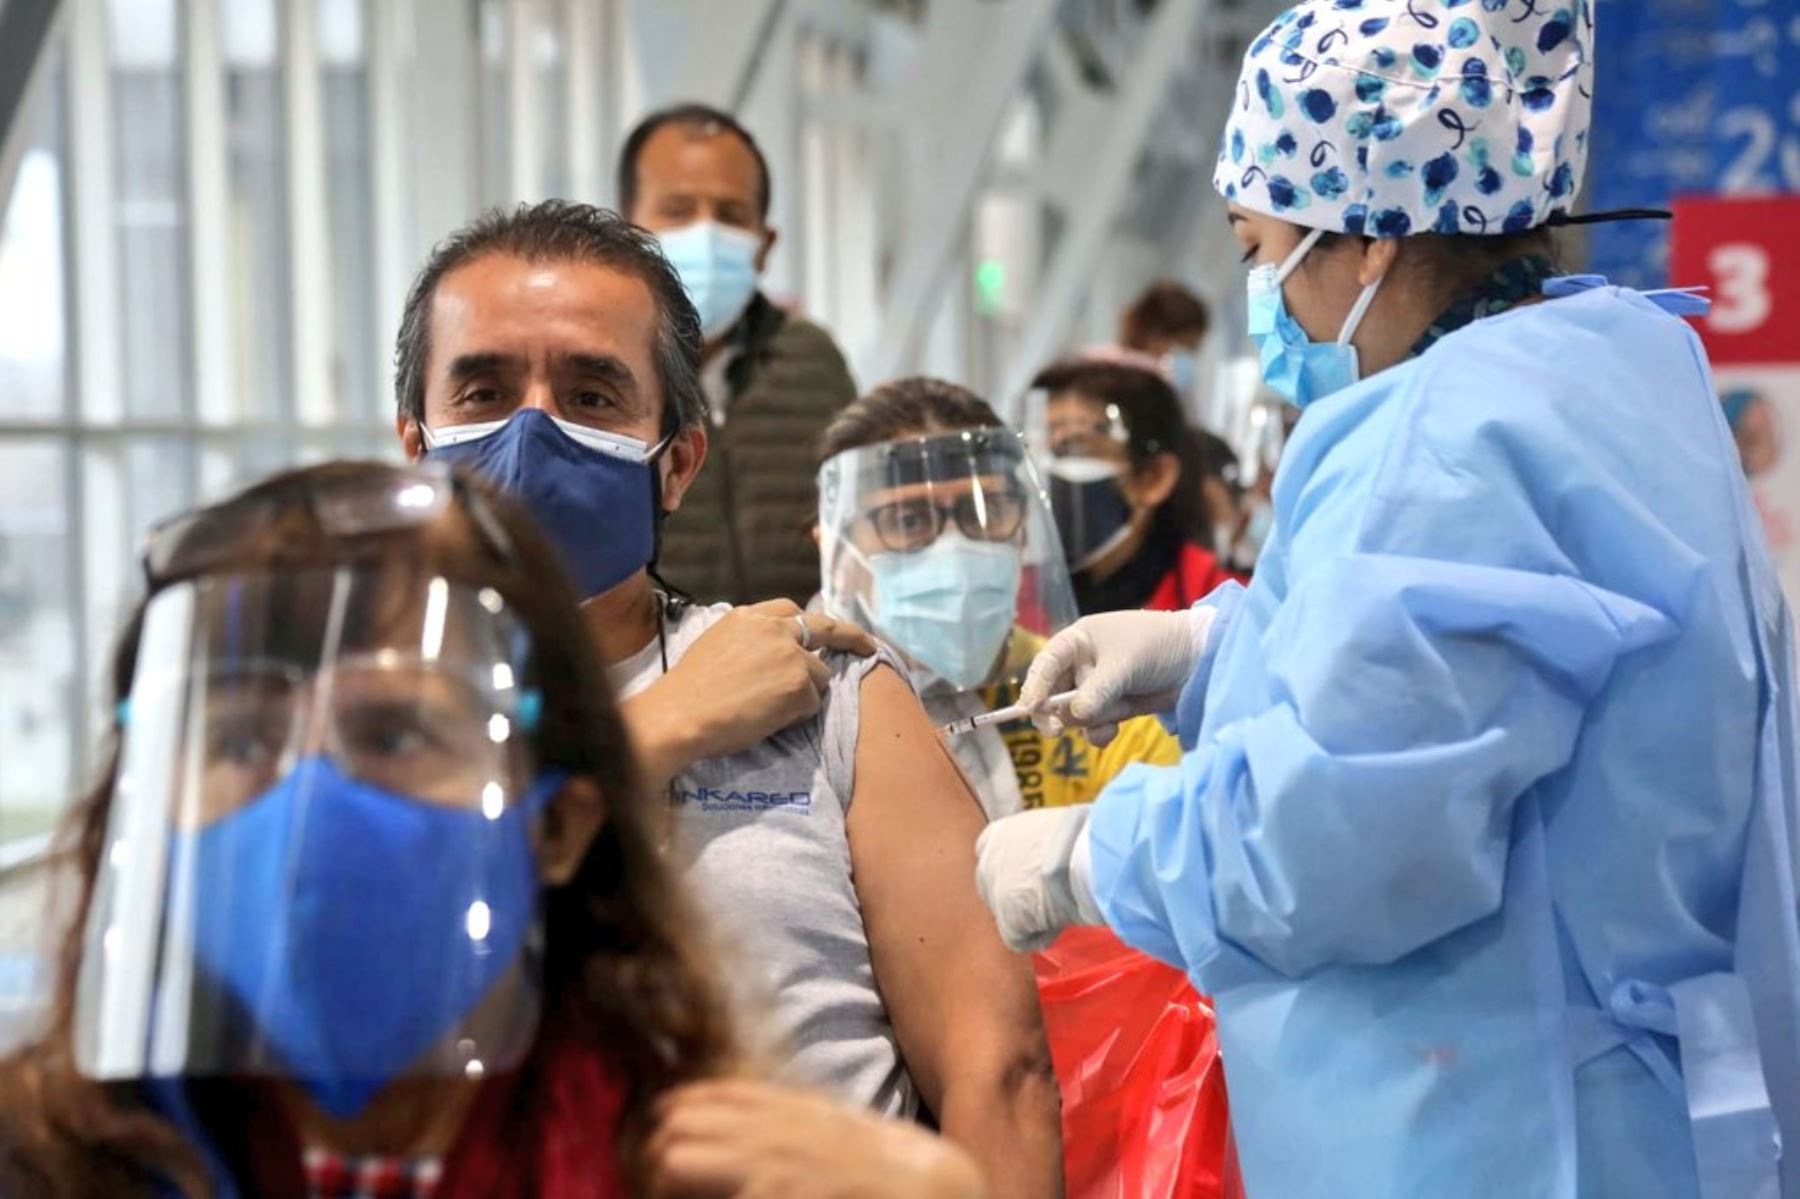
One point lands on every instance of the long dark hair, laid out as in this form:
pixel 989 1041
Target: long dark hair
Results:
pixel 621 960
pixel 1151 413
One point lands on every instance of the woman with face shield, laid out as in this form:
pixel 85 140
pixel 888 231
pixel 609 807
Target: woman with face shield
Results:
pixel 1484 836
pixel 1128 485
pixel 370 897
pixel 934 535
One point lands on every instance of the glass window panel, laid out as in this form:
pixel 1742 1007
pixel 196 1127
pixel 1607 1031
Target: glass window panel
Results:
pixel 27 968
pixel 256 163
pixel 261 455
pixel 374 442
pixel 159 482
pixel 496 107
pixel 549 59
pixel 151 211
pixel 356 370
pixel 218 470
pixel 37 637
pixel 33 311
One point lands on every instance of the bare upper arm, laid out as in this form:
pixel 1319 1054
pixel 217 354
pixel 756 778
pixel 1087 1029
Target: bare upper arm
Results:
pixel 958 998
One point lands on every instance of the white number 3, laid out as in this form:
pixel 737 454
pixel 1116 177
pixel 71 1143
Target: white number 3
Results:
pixel 1742 302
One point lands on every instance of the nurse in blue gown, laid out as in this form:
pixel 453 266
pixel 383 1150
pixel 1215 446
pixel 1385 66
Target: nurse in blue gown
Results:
pixel 1485 836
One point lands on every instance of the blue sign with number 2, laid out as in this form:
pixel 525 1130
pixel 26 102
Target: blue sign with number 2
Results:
pixel 1692 97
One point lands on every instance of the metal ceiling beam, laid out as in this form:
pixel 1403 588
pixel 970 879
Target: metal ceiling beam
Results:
pixel 26 27
pixel 758 54
pixel 701 50
pixel 993 65
pixel 1093 204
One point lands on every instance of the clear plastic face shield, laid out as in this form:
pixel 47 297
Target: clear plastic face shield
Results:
pixel 944 546
pixel 1085 451
pixel 319 861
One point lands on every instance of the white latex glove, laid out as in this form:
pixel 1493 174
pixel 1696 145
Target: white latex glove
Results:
pixel 1023 871
pixel 1120 664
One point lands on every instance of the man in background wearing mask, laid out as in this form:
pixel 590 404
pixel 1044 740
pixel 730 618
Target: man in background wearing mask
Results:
pixel 695 177
pixel 1168 323
pixel 551 349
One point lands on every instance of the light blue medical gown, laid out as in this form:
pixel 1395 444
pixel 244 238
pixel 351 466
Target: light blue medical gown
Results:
pixel 1484 842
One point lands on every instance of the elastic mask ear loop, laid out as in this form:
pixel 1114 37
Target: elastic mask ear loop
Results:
pixel 1357 312
pixel 1361 309
pixel 1300 252
pixel 670 597
pixel 653 460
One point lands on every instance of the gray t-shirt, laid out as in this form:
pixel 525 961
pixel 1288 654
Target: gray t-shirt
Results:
pixel 763 837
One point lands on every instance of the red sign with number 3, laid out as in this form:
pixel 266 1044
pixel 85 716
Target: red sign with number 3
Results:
pixel 1748 252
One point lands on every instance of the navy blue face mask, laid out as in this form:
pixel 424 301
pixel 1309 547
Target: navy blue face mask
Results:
pixel 597 495
pixel 1092 515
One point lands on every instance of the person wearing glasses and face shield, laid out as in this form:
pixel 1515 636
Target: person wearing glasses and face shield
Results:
pixel 371 898
pixel 552 350
pixel 934 535
pixel 1484 837
pixel 1128 485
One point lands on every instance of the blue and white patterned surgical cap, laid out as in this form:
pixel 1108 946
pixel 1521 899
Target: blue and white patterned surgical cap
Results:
pixel 1390 117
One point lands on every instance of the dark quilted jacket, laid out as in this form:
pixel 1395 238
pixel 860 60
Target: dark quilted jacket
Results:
pixel 743 531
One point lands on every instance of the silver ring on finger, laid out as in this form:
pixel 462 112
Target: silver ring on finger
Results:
pixel 805 632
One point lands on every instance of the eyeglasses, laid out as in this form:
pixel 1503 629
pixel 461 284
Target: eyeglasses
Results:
pixel 373 500
pixel 983 514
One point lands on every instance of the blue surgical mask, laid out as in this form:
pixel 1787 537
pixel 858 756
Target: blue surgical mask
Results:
pixel 1296 368
pixel 1183 367
pixel 349 938
pixel 595 494
pixel 717 265
pixel 950 606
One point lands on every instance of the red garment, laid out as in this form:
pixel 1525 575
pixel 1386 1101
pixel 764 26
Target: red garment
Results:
pixel 1197 571
pixel 548 1129
pixel 339 1176
pixel 1144 1109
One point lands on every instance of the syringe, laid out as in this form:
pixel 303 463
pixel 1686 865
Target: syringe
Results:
pixel 969 724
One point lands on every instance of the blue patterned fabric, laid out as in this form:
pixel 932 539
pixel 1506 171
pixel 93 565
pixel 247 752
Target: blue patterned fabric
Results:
pixel 1391 117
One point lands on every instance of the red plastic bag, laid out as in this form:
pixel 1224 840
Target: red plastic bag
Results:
pixel 1144 1111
